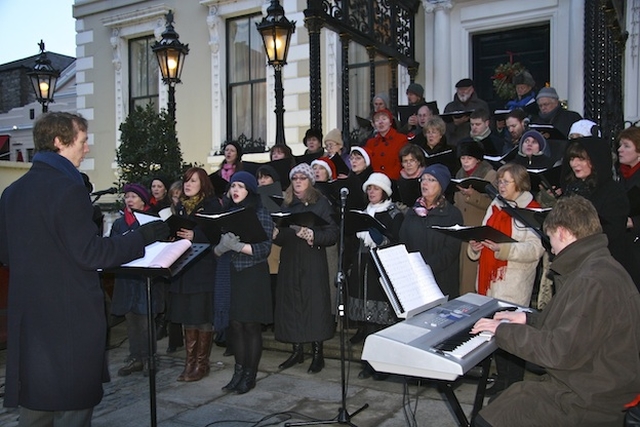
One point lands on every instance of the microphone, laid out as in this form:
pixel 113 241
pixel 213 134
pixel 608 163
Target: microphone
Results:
pixel 112 190
pixel 344 192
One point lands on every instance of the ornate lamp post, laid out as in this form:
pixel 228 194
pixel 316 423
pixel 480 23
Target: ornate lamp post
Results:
pixel 170 54
pixel 43 78
pixel 276 31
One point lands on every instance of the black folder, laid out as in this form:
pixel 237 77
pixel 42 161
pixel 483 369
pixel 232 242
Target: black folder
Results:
pixel 497 161
pixel 363 123
pixel 476 183
pixel 443 157
pixel 281 166
pixel 548 131
pixel 533 216
pixel 449 116
pixel 220 185
pixel 409 190
pixel 341 166
pixel 479 233
pixel 406 111
pixel 303 219
pixel 500 115
pixel 356 220
pixel 242 222
pixel 308 158
pixel 633 194
pixel 175 222
pixel 548 178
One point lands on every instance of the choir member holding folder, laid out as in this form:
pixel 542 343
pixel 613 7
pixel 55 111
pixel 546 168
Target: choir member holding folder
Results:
pixel 191 293
pixel 507 271
pixel 250 284
pixel 303 307
pixel 629 157
pixel 472 203
pixel 367 302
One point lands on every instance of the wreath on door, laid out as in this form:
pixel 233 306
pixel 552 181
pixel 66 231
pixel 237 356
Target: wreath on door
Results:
pixel 503 79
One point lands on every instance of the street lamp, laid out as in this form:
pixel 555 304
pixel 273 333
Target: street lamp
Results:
pixel 170 54
pixel 276 30
pixel 43 78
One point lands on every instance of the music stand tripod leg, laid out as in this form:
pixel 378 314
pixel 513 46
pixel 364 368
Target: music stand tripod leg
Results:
pixel 151 361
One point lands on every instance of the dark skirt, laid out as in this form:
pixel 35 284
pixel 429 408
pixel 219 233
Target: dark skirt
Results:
pixel 192 309
pixel 251 294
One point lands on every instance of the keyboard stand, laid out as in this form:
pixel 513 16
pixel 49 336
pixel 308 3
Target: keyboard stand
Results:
pixel 446 387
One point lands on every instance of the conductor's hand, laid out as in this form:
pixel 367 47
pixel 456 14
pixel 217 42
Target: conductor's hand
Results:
pixel 154 231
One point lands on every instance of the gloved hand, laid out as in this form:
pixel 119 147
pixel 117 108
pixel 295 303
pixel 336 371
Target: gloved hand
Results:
pixel 306 234
pixel 226 241
pixel 235 244
pixel 376 235
pixel 154 231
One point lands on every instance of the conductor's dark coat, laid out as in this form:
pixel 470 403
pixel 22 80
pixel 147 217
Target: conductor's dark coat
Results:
pixel 57 332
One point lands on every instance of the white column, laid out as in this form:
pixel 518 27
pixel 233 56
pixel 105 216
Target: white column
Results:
pixel 441 50
pixel 575 82
pixel 632 64
pixel 217 46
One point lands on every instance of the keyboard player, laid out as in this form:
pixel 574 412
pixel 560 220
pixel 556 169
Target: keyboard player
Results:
pixel 587 337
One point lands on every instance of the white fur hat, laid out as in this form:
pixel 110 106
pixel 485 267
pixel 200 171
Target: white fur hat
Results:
pixel 585 128
pixel 379 180
pixel 363 153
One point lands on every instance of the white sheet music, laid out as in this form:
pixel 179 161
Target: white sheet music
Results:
pixel 161 254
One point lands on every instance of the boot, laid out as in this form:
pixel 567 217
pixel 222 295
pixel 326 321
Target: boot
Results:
pixel 203 351
pixel 235 380
pixel 247 382
pixel 296 357
pixel 190 344
pixel 317 363
pixel 133 365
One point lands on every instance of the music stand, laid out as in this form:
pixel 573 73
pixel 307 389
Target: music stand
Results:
pixel 195 251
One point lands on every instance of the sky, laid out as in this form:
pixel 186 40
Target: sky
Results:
pixel 28 21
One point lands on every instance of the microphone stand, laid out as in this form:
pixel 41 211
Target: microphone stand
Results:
pixel 343 416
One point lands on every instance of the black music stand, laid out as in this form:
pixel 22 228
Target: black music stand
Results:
pixel 195 251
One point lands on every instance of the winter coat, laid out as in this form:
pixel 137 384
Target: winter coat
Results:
pixel 632 235
pixel 303 303
pixel 440 251
pixel 522 258
pixel 456 133
pixel 561 119
pixel 384 152
pixel 587 338
pixel 57 327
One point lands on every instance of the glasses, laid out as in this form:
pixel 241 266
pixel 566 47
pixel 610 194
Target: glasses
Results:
pixel 299 178
pixel 504 182
pixel 409 161
pixel 428 179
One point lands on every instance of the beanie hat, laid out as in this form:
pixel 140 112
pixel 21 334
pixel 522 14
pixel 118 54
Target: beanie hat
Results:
pixel 328 164
pixel 268 170
pixel 139 190
pixel 464 83
pixel 310 133
pixel 379 180
pixel 363 153
pixel 439 172
pixel 547 92
pixel 304 169
pixel 416 89
pixel 469 147
pixel 524 78
pixel 247 179
pixel 162 179
pixel 585 128
pixel 384 97
pixel 544 149
pixel 334 135
pixel 386 112
pixel 236 145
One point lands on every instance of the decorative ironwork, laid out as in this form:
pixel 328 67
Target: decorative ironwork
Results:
pixel 344 40
pixel 248 145
pixel 314 25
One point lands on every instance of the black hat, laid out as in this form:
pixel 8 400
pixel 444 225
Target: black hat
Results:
pixel 236 145
pixel 465 83
pixel 433 106
pixel 268 170
pixel 416 89
pixel 524 78
pixel 310 133
pixel 469 147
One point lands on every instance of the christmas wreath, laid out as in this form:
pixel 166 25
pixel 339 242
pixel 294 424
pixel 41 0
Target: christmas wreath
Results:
pixel 503 79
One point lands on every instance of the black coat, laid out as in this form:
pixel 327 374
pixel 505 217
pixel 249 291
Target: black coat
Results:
pixel 57 332
pixel 303 303
pixel 632 235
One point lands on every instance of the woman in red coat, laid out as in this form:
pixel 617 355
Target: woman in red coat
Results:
pixel 385 146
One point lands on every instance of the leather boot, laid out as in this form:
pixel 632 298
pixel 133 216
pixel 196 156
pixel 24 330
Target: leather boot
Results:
pixel 317 363
pixel 190 346
pixel 296 357
pixel 203 351
pixel 235 380
pixel 247 382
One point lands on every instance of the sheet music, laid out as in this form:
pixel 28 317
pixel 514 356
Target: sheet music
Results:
pixel 427 285
pixel 161 254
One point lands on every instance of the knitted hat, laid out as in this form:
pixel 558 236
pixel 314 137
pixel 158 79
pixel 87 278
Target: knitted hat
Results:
pixel 310 133
pixel 386 112
pixel 334 135
pixel 416 88
pixel 268 170
pixel 439 172
pixel 464 83
pixel 585 128
pixel 304 169
pixel 547 92
pixel 247 179
pixel 328 164
pixel 162 179
pixel 236 145
pixel 538 137
pixel 139 190
pixel 524 78
pixel 469 147
pixel 384 97
pixel 363 153
pixel 379 180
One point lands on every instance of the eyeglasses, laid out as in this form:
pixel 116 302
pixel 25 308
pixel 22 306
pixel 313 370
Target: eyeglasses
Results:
pixel 427 179
pixel 409 161
pixel 299 178
pixel 504 182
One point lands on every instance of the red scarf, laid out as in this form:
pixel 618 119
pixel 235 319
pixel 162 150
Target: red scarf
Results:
pixel 490 268
pixel 130 218
pixel 628 171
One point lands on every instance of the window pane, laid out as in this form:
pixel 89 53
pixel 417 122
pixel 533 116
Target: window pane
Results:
pixel 258 55
pixel 143 73
pixel 241 99
pixel 239 65
pixel 259 111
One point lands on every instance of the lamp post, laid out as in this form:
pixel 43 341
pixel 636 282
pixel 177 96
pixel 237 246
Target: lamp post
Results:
pixel 43 78
pixel 276 30
pixel 170 54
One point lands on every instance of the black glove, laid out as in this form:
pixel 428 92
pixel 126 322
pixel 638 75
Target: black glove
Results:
pixel 154 231
pixel 376 235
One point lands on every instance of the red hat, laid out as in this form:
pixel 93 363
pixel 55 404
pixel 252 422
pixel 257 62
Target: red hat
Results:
pixel 386 112
pixel 328 164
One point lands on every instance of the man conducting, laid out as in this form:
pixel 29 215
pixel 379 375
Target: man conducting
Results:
pixel 57 332
pixel 587 337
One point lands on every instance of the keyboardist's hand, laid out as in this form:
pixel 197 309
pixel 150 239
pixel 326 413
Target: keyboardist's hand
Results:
pixel 519 317
pixel 485 325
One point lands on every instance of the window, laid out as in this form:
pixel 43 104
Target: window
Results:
pixel 246 80
pixel 359 80
pixel 143 73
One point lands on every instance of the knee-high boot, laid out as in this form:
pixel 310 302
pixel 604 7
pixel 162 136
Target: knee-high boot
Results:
pixel 317 363
pixel 203 351
pixel 296 357
pixel 190 345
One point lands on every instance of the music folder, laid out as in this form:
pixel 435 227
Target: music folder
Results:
pixel 477 233
pixel 356 220
pixel 242 222
pixel 175 222
pixel 164 259
pixel 363 123
pixel 443 157
pixel 548 131
pixel 407 280
pixel 476 183
pixel 409 190
pixel 534 216
pixel 548 178
pixel 497 161
pixel 406 111
pixel 303 219
pixel 220 185
pixel 450 115
pixel 634 200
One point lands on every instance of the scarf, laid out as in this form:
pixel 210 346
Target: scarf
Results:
pixel 190 203
pixel 521 103
pixel 372 210
pixel 60 163
pixel 483 135
pixel 628 171
pixel 130 218
pixel 472 170
pixel 227 170
pixel 421 209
